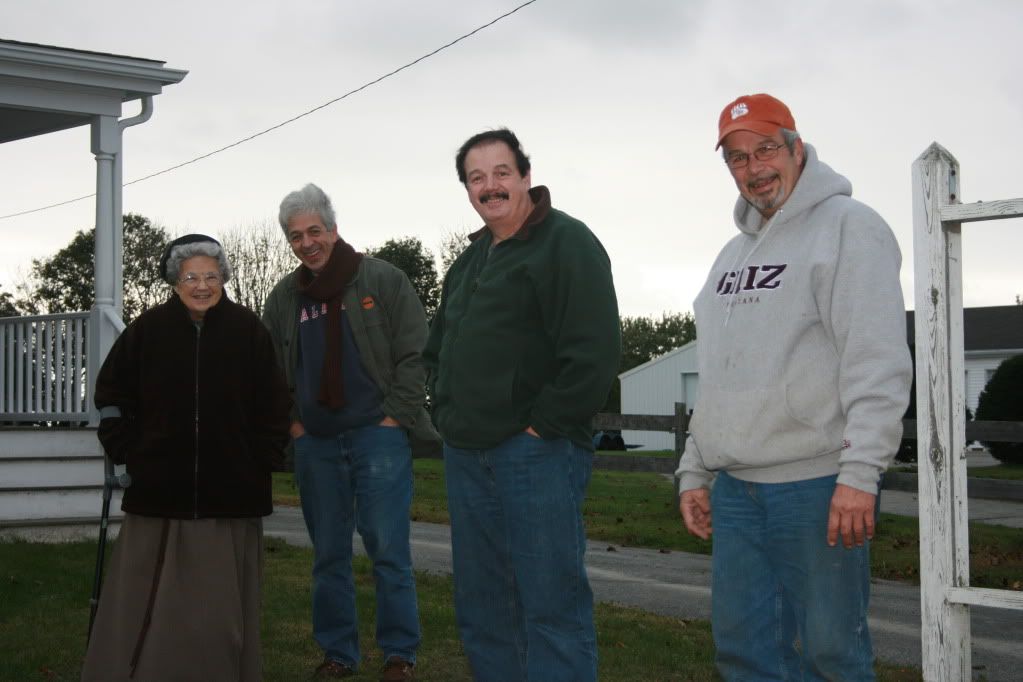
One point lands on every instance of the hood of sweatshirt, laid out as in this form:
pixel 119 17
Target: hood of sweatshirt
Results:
pixel 817 182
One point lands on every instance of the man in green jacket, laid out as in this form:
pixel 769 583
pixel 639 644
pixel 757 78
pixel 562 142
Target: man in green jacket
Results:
pixel 348 331
pixel 521 355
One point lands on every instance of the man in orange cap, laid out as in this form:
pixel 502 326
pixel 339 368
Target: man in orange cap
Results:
pixel 804 378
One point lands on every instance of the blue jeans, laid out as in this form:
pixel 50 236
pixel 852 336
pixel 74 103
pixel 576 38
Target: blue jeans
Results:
pixel 522 600
pixel 361 480
pixel 785 605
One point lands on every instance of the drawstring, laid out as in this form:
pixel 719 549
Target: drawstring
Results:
pixel 738 271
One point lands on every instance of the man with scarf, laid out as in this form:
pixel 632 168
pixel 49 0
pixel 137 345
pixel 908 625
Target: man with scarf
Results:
pixel 348 330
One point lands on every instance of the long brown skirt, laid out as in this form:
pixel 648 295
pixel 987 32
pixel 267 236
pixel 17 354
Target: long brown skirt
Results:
pixel 180 602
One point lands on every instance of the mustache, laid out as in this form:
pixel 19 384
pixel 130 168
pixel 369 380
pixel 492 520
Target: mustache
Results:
pixel 487 196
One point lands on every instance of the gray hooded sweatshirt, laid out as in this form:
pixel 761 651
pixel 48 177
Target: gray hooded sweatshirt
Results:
pixel 804 366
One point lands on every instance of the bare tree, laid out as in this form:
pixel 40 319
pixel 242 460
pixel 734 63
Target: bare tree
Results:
pixel 260 257
pixel 452 244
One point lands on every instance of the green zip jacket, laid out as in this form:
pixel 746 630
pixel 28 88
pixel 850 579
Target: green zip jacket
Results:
pixel 527 334
pixel 389 326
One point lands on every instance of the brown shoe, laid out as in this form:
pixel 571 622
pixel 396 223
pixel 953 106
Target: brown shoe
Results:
pixel 397 670
pixel 332 670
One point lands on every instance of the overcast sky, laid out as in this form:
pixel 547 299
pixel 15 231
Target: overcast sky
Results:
pixel 615 101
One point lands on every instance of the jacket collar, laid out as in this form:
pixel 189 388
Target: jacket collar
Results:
pixel 541 197
pixel 292 277
pixel 175 303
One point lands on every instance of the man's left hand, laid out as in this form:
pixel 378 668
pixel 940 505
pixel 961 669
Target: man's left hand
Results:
pixel 851 515
pixel 388 421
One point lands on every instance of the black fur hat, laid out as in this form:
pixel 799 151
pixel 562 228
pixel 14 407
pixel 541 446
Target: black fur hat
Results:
pixel 181 241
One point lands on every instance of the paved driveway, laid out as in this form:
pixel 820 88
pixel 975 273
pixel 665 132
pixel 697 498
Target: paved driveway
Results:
pixel 677 584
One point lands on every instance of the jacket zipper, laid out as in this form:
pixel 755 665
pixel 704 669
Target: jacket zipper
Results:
pixel 195 471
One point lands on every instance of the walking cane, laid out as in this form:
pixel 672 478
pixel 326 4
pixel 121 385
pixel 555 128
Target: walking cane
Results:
pixel 111 482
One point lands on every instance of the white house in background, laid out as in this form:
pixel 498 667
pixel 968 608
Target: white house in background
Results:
pixel 654 387
pixel 992 334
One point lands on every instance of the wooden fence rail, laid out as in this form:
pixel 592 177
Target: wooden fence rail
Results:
pixel 1004 432
pixel 998 432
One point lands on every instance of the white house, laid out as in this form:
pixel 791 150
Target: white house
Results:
pixel 654 387
pixel 51 479
pixel 992 334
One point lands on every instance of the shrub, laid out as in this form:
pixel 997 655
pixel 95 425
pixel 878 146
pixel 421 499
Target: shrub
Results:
pixel 1002 400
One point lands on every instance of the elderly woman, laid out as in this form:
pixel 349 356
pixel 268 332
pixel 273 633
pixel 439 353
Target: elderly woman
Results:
pixel 192 401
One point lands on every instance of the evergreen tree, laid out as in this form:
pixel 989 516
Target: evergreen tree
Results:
pixel 409 255
pixel 66 281
pixel 1002 400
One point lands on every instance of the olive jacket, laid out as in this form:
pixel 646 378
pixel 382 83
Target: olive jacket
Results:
pixel 389 326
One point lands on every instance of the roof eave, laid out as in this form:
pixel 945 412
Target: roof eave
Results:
pixel 134 77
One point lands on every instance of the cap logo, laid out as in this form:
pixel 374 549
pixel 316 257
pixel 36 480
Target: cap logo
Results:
pixel 739 109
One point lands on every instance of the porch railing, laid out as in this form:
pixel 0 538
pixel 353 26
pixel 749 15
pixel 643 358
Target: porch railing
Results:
pixel 43 368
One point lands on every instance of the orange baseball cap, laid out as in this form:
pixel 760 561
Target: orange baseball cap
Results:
pixel 760 114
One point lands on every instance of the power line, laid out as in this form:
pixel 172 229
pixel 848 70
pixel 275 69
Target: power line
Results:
pixel 290 120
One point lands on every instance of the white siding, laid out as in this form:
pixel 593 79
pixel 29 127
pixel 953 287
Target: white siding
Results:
pixel 51 476
pixel 654 388
pixel 980 365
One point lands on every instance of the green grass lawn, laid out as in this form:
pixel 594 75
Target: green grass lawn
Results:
pixel 642 453
pixel 1005 472
pixel 639 510
pixel 996 553
pixel 44 589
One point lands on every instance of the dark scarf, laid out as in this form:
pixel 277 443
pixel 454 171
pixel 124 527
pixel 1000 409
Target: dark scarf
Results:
pixel 329 286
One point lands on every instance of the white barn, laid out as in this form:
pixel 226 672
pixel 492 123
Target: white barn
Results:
pixel 991 334
pixel 654 387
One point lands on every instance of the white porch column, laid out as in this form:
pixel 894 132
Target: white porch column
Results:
pixel 106 146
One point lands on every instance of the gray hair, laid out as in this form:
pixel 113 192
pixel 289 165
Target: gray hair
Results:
pixel 789 137
pixel 179 254
pixel 309 199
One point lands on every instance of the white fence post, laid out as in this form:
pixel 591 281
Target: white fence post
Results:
pixel 941 424
pixel 945 592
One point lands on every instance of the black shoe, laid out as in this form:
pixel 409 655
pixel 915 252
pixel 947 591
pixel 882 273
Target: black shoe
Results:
pixel 397 669
pixel 332 670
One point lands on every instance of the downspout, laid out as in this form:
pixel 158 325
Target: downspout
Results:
pixel 142 117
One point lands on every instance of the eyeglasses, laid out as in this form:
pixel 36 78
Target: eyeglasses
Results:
pixel 191 280
pixel 765 152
